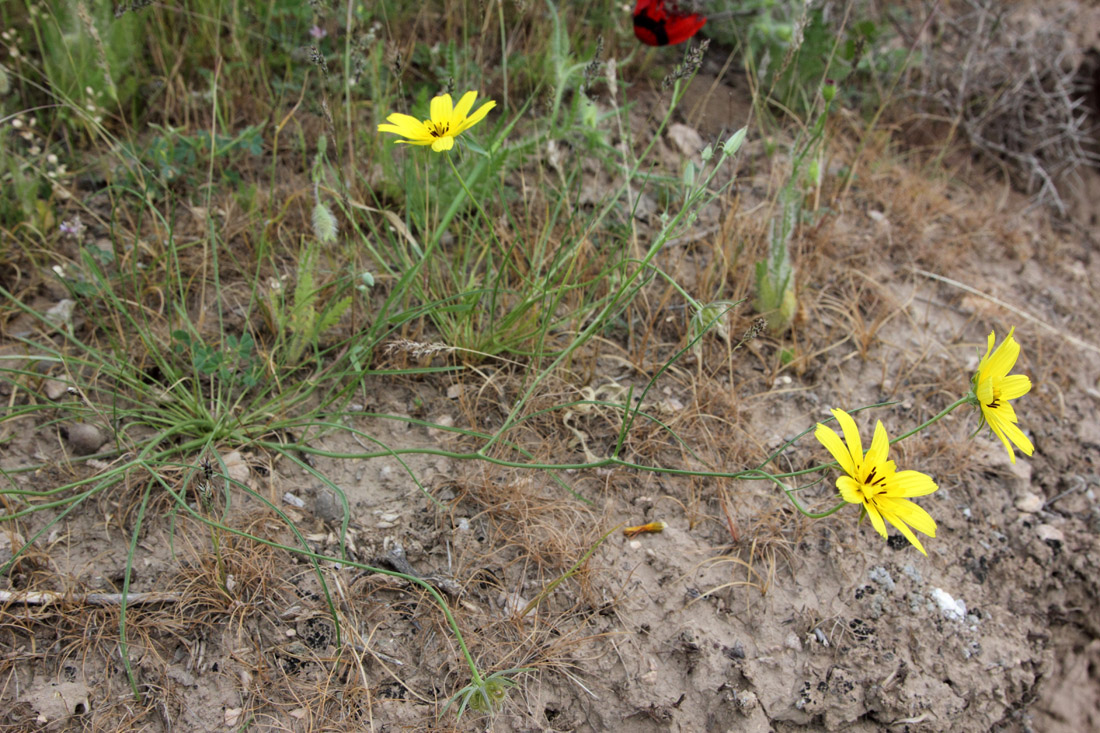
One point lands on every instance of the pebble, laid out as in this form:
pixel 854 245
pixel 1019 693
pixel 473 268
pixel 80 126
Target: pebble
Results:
pixel 85 439
pixel 54 388
pixel 445 421
pixel 687 139
pixel 61 314
pixel 328 507
pixel 512 603
pixel 1050 533
pixel 746 700
pixel 1029 503
pixel 236 467
pixel 952 609
pixel 7 543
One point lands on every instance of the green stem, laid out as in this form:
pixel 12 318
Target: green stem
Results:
pixel 488 224
pixel 123 645
pixel 503 50
pixel 797 504
pixel 943 413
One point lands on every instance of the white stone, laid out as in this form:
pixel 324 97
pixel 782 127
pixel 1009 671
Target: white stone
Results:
pixel 952 610
pixel 1050 533
pixel 1029 503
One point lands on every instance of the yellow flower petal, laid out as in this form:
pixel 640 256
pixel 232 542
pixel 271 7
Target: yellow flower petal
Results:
pixel 851 437
pixel 912 483
pixel 443 143
pixel 876 518
pixel 441 108
pixel 406 122
pixel 850 489
pixel 880 446
pixel 478 116
pixel 907 533
pixel 1010 434
pixel 909 513
pixel 832 442
pixel 1016 385
pixel 1003 358
pixel 463 107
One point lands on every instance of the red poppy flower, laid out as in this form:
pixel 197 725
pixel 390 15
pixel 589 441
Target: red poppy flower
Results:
pixel 658 23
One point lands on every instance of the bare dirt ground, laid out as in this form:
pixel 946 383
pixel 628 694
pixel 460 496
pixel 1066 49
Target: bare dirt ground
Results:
pixel 741 615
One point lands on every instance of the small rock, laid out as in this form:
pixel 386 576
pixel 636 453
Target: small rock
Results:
pixel 62 313
pixel 1050 533
pixel 1088 432
pixel 54 388
pixel 793 642
pixel 445 421
pixel 236 467
pixel 8 541
pixel 1029 503
pixel 687 139
pixel 328 507
pixel 512 603
pixel 85 439
pixel 746 700
pixel 952 609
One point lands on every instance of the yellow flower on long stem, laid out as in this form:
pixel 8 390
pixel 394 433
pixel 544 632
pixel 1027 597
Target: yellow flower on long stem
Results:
pixel 446 123
pixel 993 387
pixel 874 482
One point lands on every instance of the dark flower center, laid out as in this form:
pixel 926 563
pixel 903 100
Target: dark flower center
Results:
pixel 872 479
pixel 439 129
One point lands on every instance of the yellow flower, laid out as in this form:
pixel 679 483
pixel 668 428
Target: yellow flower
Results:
pixel 993 387
pixel 446 123
pixel 875 483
